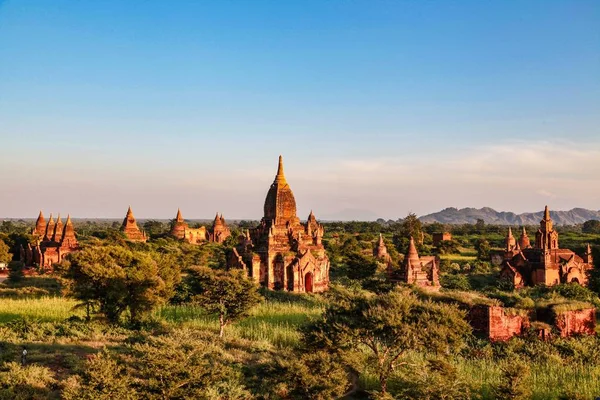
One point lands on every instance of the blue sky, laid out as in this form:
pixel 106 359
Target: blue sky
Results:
pixel 379 107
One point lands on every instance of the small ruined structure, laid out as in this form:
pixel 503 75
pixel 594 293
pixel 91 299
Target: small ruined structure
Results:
pixel 182 231
pixel 415 270
pixel 380 252
pixel 217 233
pixel 130 228
pixel 440 237
pixel 282 253
pixel 497 323
pixel 53 242
pixel 219 230
pixel 545 263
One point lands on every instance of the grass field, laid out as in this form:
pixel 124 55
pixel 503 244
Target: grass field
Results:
pixel 275 322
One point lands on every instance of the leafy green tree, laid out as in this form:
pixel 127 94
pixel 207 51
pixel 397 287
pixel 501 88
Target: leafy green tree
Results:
pixel 387 325
pixel 411 226
pixel 5 255
pixel 155 228
pixel 360 266
pixel 448 247
pixel 113 280
pixel 228 294
pixel 591 226
pixel 455 281
pixel 483 249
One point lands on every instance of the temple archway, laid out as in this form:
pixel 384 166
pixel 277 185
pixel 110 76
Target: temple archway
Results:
pixel 308 282
pixel 575 280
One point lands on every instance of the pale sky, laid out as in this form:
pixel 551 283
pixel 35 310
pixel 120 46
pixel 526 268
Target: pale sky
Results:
pixel 378 107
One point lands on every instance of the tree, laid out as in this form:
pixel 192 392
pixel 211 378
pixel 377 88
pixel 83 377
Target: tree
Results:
pixel 591 226
pixel 113 280
pixel 361 266
pixel 448 247
pixel 5 255
pixel 411 226
pixel 228 294
pixel 388 325
pixel 483 250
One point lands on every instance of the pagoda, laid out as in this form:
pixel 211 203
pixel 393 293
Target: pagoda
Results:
pixel 130 228
pixel 282 253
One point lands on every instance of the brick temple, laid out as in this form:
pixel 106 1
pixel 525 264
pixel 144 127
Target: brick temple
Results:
pixel 282 253
pixel 130 228
pixel 416 270
pixel 54 240
pixel 217 233
pixel 544 263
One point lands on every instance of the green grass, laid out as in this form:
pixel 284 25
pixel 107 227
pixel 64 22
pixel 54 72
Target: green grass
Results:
pixel 457 257
pixel 272 321
pixel 43 309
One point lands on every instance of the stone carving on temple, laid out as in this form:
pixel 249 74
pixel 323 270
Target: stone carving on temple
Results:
pixel 282 253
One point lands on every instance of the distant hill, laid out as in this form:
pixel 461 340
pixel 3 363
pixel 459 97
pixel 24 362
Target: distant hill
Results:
pixel 453 215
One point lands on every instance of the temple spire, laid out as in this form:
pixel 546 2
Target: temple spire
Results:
pixel 179 217
pixel 280 178
pixel 412 256
pixel 546 214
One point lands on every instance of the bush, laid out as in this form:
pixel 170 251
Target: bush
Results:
pixel 458 282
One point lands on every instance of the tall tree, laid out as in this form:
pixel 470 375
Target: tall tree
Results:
pixel 411 226
pixel 228 294
pixel 388 325
pixel 113 280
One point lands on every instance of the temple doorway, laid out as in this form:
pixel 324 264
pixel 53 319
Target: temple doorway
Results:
pixel 308 282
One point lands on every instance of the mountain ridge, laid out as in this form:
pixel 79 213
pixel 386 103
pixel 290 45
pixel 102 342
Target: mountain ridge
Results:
pixel 470 215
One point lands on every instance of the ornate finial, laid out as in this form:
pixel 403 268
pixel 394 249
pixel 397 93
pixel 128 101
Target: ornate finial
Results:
pixel 509 232
pixel 546 214
pixel 280 178
pixel 58 221
pixel 524 231
pixel 179 217
pixel 68 219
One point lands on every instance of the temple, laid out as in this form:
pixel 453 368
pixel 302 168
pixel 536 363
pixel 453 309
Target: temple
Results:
pixel 53 242
pixel 218 232
pixel 380 252
pixel 130 228
pixel 182 231
pixel 545 263
pixel 282 253
pixel 415 270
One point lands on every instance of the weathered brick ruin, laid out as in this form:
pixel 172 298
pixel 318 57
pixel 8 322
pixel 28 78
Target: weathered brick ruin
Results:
pixel 499 323
pixel 130 228
pixel 496 322
pixel 415 270
pixel 282 253
pixel 53 242
pixel 440 237
pixel 218 232
pixel 545 263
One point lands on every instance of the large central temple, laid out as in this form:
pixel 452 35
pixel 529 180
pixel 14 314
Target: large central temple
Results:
pixel 282 253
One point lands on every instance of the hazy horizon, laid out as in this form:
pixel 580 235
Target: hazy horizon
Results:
pixel 379 108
